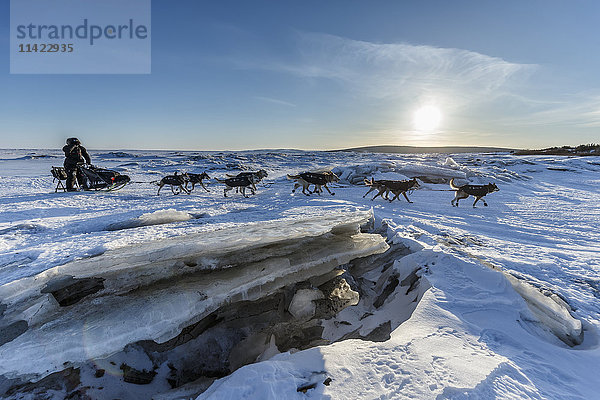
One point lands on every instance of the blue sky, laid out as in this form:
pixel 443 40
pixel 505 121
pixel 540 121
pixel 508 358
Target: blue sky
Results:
pixel 231 75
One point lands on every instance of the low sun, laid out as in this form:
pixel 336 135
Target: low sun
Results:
pixel 427 118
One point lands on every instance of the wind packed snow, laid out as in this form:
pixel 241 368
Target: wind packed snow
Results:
pixel 508 304
pixel 154 218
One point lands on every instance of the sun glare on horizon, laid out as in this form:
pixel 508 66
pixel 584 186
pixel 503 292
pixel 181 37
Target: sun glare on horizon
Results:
pixel 427 118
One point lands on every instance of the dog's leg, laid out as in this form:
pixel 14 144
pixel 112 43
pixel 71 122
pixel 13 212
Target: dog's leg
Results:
pixel 480 198
pixel 225 190
pixel 395 197
pixel 330 192
pixel 370 190
pixel 463 196
pixel 386 194
pixel 204 187
pixel 296 186
pixel 184 189
pixel 159 187
pixel 459 196
pixel 378 194
pixel 406 197
pixel 304 187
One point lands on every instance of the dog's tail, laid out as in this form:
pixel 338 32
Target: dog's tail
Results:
pixel 368 182
pixel 220 180
pixel 452 185
pixel 293 177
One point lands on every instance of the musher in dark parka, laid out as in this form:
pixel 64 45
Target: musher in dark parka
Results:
pixel 75 154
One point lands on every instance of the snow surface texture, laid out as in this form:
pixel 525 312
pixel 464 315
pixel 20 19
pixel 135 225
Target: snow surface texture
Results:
pixel 508 306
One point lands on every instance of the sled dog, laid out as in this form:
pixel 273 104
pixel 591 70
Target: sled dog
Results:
pixel 401 187
pixel 320 180
pixel 242 182
pixel 176 181
pixel 197 179
pixel 478 191
pixel 254 176
pixel 378 185
pixel 384 187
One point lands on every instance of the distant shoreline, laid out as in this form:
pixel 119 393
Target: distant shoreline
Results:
pixel 581 150
pixel 421 150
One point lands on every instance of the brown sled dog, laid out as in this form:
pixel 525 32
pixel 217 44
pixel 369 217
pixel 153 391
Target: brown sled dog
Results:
pixel 401 187
pixel 478 191
pixel 396 187
pixel 378 185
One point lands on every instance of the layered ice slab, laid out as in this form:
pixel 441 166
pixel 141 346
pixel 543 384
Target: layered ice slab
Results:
pixel 92 308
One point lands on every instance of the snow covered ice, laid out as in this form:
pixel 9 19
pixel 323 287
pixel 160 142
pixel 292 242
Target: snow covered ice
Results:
pixel 292 296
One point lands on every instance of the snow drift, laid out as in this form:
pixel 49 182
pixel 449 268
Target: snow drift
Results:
pixel 154 218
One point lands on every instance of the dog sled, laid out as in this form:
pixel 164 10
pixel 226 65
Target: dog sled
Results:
pixel 91 177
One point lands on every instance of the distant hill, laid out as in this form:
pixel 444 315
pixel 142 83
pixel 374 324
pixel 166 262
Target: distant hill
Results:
pixel 413 149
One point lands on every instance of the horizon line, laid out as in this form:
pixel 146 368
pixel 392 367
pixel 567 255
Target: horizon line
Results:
pixel 285 148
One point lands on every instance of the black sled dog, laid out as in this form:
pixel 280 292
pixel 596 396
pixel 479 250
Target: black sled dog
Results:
pixel 319 179
pixel 242 183
pixel 478 191
pixel 177 183
pixel 195 179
